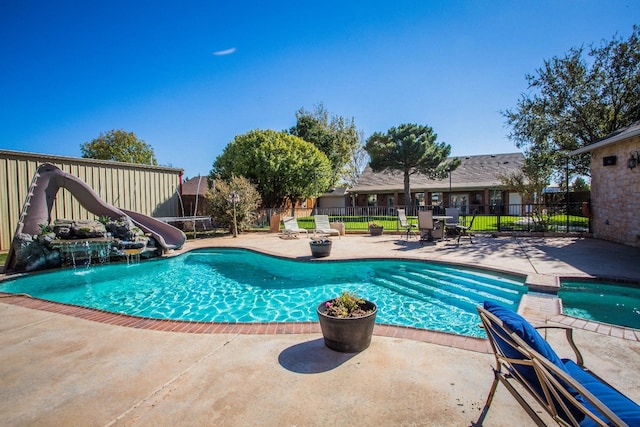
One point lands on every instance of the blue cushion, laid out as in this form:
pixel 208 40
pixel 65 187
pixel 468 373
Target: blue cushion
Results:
pixel 524 330
pixel 619 404
pixel 521 327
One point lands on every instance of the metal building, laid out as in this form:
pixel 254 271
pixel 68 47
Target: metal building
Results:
pixel 150 190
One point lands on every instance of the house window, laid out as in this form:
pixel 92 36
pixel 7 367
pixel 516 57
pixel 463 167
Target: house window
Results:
pixel 460 201
pixel 495 200
pixel 419 199
pixel 496 197
pixel 372 200
pixel 436 199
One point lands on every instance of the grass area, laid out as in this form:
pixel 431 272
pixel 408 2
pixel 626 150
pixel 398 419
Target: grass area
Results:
pixel 3 258
pixel 482 223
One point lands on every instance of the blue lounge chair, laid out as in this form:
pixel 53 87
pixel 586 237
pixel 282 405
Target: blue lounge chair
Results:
pixel 569 392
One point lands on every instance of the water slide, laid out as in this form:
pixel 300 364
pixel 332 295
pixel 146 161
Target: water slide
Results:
pixel 42 193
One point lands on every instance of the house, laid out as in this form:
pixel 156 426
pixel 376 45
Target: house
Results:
pixel 473 185
pixel 335 198
pixel 615 186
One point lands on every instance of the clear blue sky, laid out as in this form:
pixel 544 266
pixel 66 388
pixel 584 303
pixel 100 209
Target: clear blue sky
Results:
pixel 188 76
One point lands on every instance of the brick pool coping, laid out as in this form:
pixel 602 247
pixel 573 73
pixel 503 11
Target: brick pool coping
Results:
pixel 534 306
pixel 272 328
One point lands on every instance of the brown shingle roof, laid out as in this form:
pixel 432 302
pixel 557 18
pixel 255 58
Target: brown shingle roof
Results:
pixel 474 172
pixel 190 187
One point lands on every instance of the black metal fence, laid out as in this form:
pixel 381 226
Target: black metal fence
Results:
pixel 557 218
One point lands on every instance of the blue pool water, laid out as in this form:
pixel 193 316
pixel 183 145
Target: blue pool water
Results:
pixel 235 285
pixel 603 302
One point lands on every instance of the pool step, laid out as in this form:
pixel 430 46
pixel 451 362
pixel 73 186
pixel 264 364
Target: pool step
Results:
pixel 503 286
pixel 439 291
pixel 468 289
pixel 443 285
pixel 446 303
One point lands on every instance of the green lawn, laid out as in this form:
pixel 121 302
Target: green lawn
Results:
pixel 486 223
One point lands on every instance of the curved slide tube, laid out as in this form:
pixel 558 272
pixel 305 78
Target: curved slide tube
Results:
pixel 167 236
pixel 42 193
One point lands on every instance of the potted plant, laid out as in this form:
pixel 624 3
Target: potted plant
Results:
pixel 375 229
pixel 320 247
pixel 347 322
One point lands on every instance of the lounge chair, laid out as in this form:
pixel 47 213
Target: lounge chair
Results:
pixel 404 223
pixel 291 228
pixel 451 223
pixel 569 392
pixel 323 226
pixel 465 230
pixel 425 225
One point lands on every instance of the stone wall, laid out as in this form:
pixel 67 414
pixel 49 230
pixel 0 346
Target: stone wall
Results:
pixel 615 194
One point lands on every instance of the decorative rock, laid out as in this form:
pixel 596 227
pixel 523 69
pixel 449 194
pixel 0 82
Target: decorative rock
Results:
pixel 87 229
pixel 31 255
pixel 121 229
pixel 62 228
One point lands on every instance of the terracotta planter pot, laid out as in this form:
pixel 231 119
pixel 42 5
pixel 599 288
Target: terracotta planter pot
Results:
pixel 347 334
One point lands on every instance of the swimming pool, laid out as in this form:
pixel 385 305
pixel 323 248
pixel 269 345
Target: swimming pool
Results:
pixel 613 303
pixel 236 285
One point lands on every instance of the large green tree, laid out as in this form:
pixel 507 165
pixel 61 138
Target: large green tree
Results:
pixel 410 149
pixel 336 137
pixel 577 99
pixel 283 167
pixel 120 146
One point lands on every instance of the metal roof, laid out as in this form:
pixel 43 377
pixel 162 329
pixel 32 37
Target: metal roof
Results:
pixel 474 172
pixel 53 158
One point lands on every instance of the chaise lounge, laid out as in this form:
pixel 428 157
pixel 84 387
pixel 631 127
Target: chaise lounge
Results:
pixel 569 392
pixel 323 226
pixel 291 228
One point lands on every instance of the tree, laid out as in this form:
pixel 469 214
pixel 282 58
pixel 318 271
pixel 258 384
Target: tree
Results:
pixel 336 138
pixel 120 146
pixel 575 101
pixel 411 149
pixel 247 203
pixel 530 181
pixel 283 167
pixel 357 162
pixel 580 184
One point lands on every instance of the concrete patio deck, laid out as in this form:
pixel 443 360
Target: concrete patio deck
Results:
pixel 62 369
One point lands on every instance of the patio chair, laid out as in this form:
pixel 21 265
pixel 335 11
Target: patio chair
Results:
pixel 425 225
pixel 323 226
pixel 451 223
pixel 569 392
pixel 465 230
pixel 404 223
pixel 291 228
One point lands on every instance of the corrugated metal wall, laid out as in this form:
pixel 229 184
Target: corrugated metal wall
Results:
pixel 150 190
